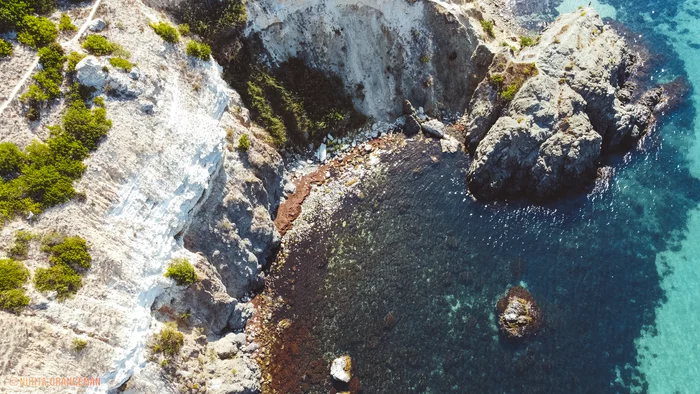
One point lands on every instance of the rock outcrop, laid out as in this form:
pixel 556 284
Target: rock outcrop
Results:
pixel 540 121
pixel 341 369
pixel 518 314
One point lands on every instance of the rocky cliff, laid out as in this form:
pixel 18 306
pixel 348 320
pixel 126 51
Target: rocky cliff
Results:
pixel 540 121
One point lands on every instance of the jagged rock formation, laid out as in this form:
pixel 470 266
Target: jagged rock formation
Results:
pixel 549 136
pixel 428 52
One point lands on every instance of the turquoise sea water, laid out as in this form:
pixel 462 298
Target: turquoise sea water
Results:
pixel 616 272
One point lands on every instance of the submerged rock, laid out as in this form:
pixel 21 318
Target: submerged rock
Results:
pixel 341 369
pixel 518 315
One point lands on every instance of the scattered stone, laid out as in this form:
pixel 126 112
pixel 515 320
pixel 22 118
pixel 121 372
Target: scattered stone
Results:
pixel 341 369
pixel 135 73
pixel 147 107
pixel 412 126
pixel 434 128
pixel 229 345
pixel 97 25
pixel 518 315
pixel 89 73
pixel 322 153
pixel 449 144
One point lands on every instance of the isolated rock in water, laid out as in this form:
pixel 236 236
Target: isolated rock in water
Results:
pixel 341 369
pixel 540 121
pixel 411 126
pixel 518 315
pixel 89 73
pixel 97 25
pixel 434 128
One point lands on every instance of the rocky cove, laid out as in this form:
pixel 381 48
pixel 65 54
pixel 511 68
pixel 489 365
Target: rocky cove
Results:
pixel 393 244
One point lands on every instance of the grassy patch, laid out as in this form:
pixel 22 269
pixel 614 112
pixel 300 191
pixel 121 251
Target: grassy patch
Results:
pixel 526 41
pixel 13 276
pixel 512 78
pixel 73 59
pixel 47 82
pixel 79 344
pixel 244 143
pixel 198 50
pixel 59 278
pixel 72 252
pixel 182 272
pixel 166 31
pixel 65 23
pixel 20 249
pixel 98 45
pixel 123 64
pixel 488 28
pixel 6 48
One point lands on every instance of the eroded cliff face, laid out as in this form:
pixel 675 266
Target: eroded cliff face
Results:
pixel 575 102
pixel 429 52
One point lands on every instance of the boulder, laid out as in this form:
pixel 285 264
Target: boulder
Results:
pixel 97 25
pixel 434 128
pixel 411 126
pixel 518 315
pixel 229 345
pixel 408 108
pixel 89 72
pixel 341 369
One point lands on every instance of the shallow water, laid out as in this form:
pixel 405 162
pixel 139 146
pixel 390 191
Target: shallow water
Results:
pixel 406 279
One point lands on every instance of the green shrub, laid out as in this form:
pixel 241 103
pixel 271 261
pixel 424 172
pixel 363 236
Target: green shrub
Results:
pixel 168 341
pixel 182 272
pixel 509 93
pixel 496 80
pixel 488 28
pixel 11 160
pixel 201 51
pixel 12 13
pixel 85 125
pixel 526 41
pixel 59 278
pixel 13 301
pixel 65 23
pixel 98 45
pixel 264 112
pixel 37 32
pixel 13 274
pixel 121 63
pixel 20 249
pixel 79 344
pixel 73 59
pixel 47 81
pixel 5 48
pixel 184 29
pixel 166 31
pixel 211 19
pixel 43 7
pixel 244 143
pixel 72 252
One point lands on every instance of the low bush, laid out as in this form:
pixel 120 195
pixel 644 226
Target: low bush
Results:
pixel 65 23
pixel 72 252
pixel 79 344
pixel 13 276
pixel 5 48
pixel 166 31
pixel 98 45
pixel 20 249
pixel 12 12
pixel 509 93
pixel 244 143
pixel 123 64
pixel 265 114
pixel 37 32
pixel 59 278
pixel 496 80
pixel 526 41
pixel 488 28
pixel 182 272
pixel 184 29
pixel 73 59
pixel 11 160
pixel 168 341
pixel 198 50
pixel 48 81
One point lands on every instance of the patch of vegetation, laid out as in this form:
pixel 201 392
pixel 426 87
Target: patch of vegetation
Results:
pixel 72 252
pixel 73 59
pixel 509 93
pixel 182 272
pixel 496 80
pixel 20 249
pixel 12 12
pixel 48 81
pixel 11 160
pixel 79 344
pixel 213 20
pixel 526 41
pixel 244 143
pixel 59 278
pixel 123 64
pixel 37 32
pixel 6 48
pixel 488 28
pixel 47 170
pixel 65 23
pixel 198 50
pixel 166 31
pixel 513 77
pixel 13 276
pixel 425 59
pixel 184 29
pixel 168 341
pixel 98 45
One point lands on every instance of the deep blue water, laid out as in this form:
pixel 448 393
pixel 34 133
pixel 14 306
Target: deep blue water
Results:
pixel 417 248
